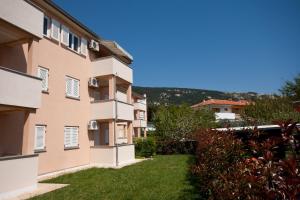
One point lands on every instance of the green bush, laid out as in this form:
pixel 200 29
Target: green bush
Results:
pixel 145 147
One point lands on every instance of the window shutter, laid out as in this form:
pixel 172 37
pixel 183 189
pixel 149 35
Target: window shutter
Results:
pixel 55 30
pixel 68 86
pixel 64 35
pixel 74 141
pixel 43 74
pixel 75 88
pixel 83 46
pixel 67 136
pixel 40 137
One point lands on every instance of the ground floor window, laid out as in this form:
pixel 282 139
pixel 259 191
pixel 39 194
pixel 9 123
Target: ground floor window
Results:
pixel 40 134
pixel 71 136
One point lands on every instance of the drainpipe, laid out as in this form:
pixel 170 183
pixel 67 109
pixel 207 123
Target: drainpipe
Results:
pixel 115 125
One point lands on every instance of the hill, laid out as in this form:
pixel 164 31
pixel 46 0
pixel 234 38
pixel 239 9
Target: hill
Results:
pixel 168 95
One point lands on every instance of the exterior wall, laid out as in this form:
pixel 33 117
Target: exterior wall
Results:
pixel 14 57
pixel 23 15
pixel 20 90
pixel 11 136
pixel 222 108
pixel 62 62
pixel 21 175
pixel 126 154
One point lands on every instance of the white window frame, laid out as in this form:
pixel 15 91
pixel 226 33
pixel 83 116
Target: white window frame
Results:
pixel 73 80
pixel 46 88
pixel 44 138
pixel 48 26
pixel 54 24
pixel 73 35
pixel 74 132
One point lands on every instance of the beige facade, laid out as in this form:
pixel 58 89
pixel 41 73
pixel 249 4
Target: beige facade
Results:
pixel 140 115
pixel 68 104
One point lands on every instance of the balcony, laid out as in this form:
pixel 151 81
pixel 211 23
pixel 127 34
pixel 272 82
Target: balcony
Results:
pixel 111 66
pixel 105 156
pixel 19 90
pixel 140 106
pixel 20 19
pixel 226 116
pixel 111 109
pixel 139 123
pixel 18 174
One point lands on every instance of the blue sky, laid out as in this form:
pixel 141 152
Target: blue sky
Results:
pixel 232 45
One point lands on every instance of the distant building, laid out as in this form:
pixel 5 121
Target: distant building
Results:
pixel 224 109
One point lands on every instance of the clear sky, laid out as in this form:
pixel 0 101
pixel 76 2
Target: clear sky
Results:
pixel 228 45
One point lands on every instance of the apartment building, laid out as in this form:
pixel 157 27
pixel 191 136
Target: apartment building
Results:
pixel 140 115
pixel 65 96
pixel 224 109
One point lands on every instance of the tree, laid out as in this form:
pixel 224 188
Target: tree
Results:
pixel 268 110
pixel 177 122
pixel 291 89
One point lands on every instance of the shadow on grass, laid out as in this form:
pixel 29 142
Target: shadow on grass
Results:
pixel 193 191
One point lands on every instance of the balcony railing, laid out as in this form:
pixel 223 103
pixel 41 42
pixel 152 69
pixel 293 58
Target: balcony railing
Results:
pixel 111 66
pixel 139 123
pixel 19 89
pixel 111 109
pixel 140 106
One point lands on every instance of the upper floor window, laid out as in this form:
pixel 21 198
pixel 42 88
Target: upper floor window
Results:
pixel 43 73
pixel 74 42
pixel 40 134
pixel 72 87
pixel 46 26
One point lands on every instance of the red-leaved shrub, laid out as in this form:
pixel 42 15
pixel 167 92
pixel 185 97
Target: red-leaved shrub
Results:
pixel 229 167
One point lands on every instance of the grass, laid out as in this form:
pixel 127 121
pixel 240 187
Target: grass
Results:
pixel 164 177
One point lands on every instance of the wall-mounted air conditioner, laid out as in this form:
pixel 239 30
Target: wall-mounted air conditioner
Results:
pixel 93 125
pixel 94 45
pixel 93 82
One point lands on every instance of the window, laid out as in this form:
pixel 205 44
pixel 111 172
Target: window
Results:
pixel 83 46
pixel 74 42
pixel 142 115
pixel 71 136
pixel 43 73
pixel 46 26
pixel 64 35
pixel 55 29
pixel 40 133
pixel 72 87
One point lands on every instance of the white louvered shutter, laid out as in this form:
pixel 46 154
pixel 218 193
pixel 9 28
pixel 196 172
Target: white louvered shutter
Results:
pixel 55 29
pixel 67 138
pixel 64 35
pixel 69 86
pixel 74 138
pixel 40 137
pixel 83 46
pixel 43 74
pixel 75 88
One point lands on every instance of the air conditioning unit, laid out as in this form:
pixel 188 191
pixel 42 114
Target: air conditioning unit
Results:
pixel 93 125
pixel 93 82
pixel 94 45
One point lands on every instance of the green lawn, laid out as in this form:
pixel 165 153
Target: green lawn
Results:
pixel 164 177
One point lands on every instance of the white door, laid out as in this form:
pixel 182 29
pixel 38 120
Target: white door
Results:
pixel 106 136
